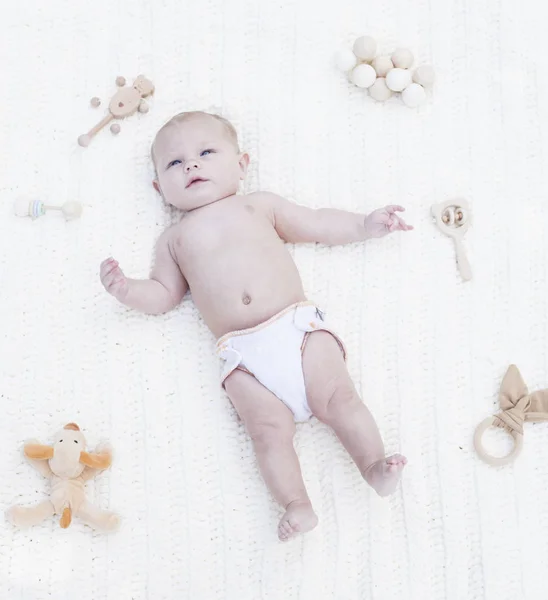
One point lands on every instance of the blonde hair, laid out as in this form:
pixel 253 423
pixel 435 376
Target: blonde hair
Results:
pixel 185 116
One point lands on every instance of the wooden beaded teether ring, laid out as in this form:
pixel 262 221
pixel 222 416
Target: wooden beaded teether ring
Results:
pixel 125 102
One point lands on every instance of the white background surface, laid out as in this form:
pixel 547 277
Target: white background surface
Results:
pixel 427 351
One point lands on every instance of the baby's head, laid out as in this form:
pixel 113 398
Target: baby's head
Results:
pixel 197 160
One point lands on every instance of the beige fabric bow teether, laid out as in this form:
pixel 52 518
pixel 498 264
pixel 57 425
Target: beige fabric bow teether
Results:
pixel 517 405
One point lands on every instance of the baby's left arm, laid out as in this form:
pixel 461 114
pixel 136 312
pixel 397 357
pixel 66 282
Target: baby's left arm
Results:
pixel 331 226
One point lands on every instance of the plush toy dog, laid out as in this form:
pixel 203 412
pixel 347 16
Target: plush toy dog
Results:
pixel 68 466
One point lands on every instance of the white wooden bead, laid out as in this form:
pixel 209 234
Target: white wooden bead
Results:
pixel 365 48
pixel 379 90
pixel 72 209
pixel 363 76
pixel 402 58
pixel 21 207
pixel 345 60
pixel 398 79
pixel 413 95
pixel 382 64
pixel 424 75
pixel 84 140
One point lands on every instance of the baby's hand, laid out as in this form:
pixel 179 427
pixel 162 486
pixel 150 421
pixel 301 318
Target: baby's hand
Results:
pixel 113 279
pixel 383 221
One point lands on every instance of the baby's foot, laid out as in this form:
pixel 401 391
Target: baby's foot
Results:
pixel 383 476
pixel 299 518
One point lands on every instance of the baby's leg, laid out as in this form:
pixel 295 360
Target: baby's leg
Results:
pixel 333 399
pixel 272 427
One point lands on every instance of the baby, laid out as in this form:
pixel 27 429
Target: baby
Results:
pixel 281 362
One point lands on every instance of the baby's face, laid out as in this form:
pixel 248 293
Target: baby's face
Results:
pixel 197 163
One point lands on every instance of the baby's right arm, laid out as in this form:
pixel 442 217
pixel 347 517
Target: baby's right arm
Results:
pixel 164 289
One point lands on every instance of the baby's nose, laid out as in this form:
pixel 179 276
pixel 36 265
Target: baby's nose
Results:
pixel 191 165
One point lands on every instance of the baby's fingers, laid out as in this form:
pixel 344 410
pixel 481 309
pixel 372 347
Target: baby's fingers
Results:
pixel 391 208
pixel 404 226
pixel 107 266
pixel 109 280
pixel 393 223
pixel 110 266
pixel 398 224
pixel 113 277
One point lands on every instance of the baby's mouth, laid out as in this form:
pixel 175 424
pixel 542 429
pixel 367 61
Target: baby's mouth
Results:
pixel 195 181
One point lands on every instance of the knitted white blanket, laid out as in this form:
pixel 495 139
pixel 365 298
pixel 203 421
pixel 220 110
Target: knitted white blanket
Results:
pixel 426 350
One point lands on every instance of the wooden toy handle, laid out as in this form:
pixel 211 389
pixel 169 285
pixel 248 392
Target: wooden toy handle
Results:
pixel 462 261
pixel 94 130
pixel 85 139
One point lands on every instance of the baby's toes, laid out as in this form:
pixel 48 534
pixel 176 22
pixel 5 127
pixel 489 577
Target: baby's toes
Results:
pixel 284 531
pixel 287 528
pixel 295 527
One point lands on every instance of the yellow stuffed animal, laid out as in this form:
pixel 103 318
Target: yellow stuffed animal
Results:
pixel 68 466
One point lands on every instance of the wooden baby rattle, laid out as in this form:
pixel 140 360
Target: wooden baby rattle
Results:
pixel 36 208
pixel 124 103
pixel 453 219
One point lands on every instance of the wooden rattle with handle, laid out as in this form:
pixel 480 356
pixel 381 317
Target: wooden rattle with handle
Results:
pixel 125 102
pixel 24 207
pixel 453 219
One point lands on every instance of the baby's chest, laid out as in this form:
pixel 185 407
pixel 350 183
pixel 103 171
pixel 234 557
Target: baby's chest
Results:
pixel 230 235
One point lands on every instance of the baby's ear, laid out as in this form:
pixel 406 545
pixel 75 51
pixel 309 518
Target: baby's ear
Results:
pixel 156 186
pixel 244 163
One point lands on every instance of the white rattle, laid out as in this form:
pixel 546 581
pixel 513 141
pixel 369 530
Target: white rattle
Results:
pixel 453 219
pixel 36 208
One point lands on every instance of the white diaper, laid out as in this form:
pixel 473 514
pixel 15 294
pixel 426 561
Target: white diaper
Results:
pixel 272 353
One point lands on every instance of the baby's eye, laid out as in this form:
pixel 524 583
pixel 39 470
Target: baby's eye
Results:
pixel 173 163
pixel 206 152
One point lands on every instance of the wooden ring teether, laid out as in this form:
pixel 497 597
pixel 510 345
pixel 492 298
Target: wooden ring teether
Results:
pixel 495 461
